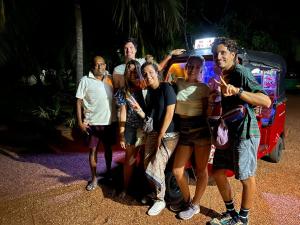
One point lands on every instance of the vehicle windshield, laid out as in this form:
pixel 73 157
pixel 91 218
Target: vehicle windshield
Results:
pixel 176 71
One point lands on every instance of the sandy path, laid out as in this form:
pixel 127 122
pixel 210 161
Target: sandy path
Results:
pixel 49 189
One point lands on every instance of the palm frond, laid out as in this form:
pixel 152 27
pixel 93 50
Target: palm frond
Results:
pixel 161 17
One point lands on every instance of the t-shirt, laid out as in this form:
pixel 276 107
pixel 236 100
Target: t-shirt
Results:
pixel 160 98
pixel 242 77
pixel 97 96
pixel 190 98
pixel 120 69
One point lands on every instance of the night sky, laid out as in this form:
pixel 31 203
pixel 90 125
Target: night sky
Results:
pixel 45 30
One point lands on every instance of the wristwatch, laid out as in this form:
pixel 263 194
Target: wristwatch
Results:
pixel 240 92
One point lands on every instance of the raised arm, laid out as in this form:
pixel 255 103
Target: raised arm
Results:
pixel 164 62
pixel 257 98
pixel 118 80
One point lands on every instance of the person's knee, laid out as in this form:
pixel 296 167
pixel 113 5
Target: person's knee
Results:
pixel 178 172
pixel 201 172
pixel 93 152
pixel 93 158
pixel 250 181
pixel 217 174
pixel 201 168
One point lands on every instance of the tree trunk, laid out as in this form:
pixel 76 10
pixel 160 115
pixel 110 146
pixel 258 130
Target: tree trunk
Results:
pixel 79 44
pixel 2 15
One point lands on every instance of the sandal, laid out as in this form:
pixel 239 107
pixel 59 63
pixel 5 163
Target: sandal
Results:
pixel 91 186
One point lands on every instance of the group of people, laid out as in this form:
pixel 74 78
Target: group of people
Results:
pixel 178 112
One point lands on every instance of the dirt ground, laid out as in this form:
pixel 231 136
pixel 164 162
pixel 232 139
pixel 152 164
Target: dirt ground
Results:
pixel 49 188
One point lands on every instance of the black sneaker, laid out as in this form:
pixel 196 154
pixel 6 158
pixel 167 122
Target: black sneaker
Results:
pixel 178 207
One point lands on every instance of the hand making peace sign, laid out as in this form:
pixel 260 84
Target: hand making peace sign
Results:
pixel 227 89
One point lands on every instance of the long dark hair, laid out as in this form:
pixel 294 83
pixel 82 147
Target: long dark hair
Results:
pixel 139 79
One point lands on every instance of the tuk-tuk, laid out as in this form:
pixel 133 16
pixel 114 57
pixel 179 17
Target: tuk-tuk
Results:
pixel 269 69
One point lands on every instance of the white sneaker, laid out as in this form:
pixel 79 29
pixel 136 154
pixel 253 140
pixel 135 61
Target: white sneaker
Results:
pixel 156 208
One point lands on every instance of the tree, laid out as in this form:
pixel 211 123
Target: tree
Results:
pixel 148 21
pixel 2 15
pixel 79 42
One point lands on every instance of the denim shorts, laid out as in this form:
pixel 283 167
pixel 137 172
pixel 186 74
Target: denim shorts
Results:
pixel 241 158
pixel 130 135
pixel 194 131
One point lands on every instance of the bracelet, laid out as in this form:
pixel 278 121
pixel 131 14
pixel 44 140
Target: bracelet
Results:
pixel 170 53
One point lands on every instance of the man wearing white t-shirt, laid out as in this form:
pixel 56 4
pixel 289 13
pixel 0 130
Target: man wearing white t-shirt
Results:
pixel 95 97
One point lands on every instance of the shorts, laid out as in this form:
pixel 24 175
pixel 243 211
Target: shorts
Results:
pixel 241 158
pixel 194 131
pixel 130 135
pixel 105 133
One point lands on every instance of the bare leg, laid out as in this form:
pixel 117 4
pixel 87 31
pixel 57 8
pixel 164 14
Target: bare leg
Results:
pixel 108 156
pixel 223 184
pixel 201 158
pixel 182 155
pixel 249 189
pixel 93 164
pixel 128 165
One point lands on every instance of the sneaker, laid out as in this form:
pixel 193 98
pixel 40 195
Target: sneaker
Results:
pixel 178 207
pixel 189 212
pixel 145 200
pixel 122 195
pixel 236 221
pixel 156 208
pixel 223 220
pixel 91 186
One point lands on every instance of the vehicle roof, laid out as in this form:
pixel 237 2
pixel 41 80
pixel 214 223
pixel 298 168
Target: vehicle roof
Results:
pixel 264 58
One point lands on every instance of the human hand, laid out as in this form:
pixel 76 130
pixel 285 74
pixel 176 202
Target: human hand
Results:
pixel 178 51
pixel 122 144
pixel 227 89
pixel 136 107
pixel 158 143
pixel 84 127
pixel 122 140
